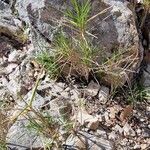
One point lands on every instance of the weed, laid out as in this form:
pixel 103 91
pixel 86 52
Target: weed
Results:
pixel 138 93
pixel 48 62
pixel 147 3
pixel 3 145
pixel 78 17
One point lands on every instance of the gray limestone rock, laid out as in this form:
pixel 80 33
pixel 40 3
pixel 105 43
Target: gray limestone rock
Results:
pixel 114 29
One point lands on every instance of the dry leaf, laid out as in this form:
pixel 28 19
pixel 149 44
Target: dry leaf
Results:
pixel 126 113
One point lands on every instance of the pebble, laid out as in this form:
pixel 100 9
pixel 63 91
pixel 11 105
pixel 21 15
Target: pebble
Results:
pixel 101 133
pixel 137 147
pixel 142 119
pixel 144 146
pixel 13 56
pixel 92 88
pixel 126 128
pixel 138 131
pixel 112 136
pixel 146 133
pixel 64 94
pixel 118 128
pixel 124 142
pixel 103 94
pixel 10 68
pixel 106 115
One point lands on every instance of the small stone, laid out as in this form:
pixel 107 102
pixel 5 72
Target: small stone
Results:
pixel 44 86
pixel 64 94
pixel 148 108
pixel 124 142
pixel 106 115
pixel 118 128
pixel 112 113
pixel 10 68
pixel 112 136
pixel 142 119
pixel 13 56
pixel 146 133
pixel 92 88
pixel 144 146
pixel 137 146
pixel 103 94
pixel 138 131
pixel 126 128
pixel 74 94
pixel 101 133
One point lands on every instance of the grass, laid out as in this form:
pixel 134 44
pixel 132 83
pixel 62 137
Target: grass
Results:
pixel 147 3
pixel 48 62
pixel 3 145
pixel 71 54
pixel 146 11
pixel 44 124
pixel 136 93
pixel 78 16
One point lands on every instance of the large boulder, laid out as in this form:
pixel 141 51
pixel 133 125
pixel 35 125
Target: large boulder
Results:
pixel 115 29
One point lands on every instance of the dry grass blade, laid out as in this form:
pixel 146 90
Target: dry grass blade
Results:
pixel 102 12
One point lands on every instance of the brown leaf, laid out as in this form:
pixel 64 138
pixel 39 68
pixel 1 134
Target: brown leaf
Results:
pixel 126 113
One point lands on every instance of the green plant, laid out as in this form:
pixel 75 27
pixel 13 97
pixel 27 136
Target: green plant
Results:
pixel 3 145
pixel 48 62
pixel 147 3
pixel 71 55
pixel 138 93
pixel 78 17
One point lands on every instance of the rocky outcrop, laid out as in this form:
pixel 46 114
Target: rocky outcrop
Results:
pixel 112 30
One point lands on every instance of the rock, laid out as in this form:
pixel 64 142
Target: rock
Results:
pixel 3 5
pixel 113 112
pixel 124 142
pixel 92 89
pixel 146 132
pixel 112 136
pixel 146 77
pixel 113 29
pixel 9 29
pixel 138 131
pixel 76 142
pixel 103 94
pixel 37 102
pixel 128 130
pixel 90 141
pixel 118 128
pixel 144 146
pixel 86 119
pixel 13 56
pixel 137 146
pixel 10 68
pixel 22 138
pixel 101 133
pixel 60 107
